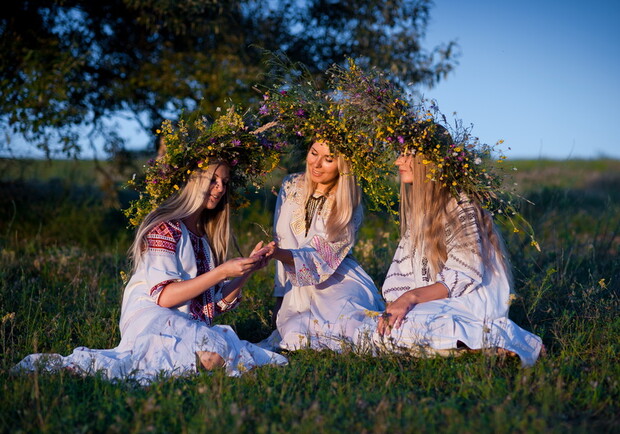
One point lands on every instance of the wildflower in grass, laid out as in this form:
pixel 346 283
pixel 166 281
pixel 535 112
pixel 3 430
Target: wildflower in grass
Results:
pixel 371 313
pixel 8 317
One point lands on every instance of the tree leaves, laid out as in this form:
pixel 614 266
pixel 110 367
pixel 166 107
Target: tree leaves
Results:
pixel 67 64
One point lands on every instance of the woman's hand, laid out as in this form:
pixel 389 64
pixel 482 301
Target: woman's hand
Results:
pixel 263 253
pixel 271 249
pixel 395 313
pixel 239 267
pixel 283 255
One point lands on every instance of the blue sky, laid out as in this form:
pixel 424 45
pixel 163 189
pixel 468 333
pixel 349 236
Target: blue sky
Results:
pixel 543 75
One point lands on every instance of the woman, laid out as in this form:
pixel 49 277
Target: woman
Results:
pixel 180 279
pixel 449 284
pixel 322 291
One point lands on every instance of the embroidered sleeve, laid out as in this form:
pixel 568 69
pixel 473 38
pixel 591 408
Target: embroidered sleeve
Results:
pixel 464 268
pixel 160 257
pixel 157 289
pixel 320 258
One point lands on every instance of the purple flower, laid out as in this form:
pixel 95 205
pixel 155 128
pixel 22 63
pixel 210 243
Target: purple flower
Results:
pixel 263 110
pixel 234 162
pixel 401 139
pixel 300 112
pixel 236 142
pixel 389 139
pixel 282 92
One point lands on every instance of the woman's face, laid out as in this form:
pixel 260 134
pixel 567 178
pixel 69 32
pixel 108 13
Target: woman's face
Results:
pixel 322 165
pixel 218 186
pixel 404 168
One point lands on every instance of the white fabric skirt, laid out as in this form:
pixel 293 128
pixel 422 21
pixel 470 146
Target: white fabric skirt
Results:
pixel 166 346
pixel 440 325
pixel 327 315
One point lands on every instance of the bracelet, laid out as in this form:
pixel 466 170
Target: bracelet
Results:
pixel 224 305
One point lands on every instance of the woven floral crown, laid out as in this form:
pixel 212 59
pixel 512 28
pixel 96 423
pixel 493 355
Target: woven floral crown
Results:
pixel 191 145
pixel 454 158
pixel 306 112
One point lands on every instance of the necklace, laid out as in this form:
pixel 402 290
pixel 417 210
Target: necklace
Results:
pixel 314 205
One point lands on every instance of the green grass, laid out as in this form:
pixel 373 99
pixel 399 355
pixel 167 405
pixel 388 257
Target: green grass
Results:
pixel 63 246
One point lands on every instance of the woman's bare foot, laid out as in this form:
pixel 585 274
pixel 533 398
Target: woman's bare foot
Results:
pixel 209 360
pixel 505 352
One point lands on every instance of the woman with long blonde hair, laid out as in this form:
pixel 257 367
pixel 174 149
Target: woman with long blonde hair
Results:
pixel 448 287
pixel 182 277
pixel 322 292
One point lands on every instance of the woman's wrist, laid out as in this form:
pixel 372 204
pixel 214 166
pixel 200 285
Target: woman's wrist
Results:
pixel 221 272
pixel 283 255
pixel 412 297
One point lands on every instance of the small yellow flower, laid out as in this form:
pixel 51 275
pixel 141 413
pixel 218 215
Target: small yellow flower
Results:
pixel 511 298
pixel 176 187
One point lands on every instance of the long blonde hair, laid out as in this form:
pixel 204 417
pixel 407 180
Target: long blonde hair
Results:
pixel 424 212
pixel 345 196
pixel 188 200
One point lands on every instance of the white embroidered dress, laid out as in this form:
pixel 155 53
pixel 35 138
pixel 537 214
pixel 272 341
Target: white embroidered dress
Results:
pixel 476 310
pixel 158 341
pixel 326 292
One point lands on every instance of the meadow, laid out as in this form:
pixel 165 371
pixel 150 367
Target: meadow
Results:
pixel 63 243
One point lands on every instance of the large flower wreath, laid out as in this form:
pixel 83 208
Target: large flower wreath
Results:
pixel 190 145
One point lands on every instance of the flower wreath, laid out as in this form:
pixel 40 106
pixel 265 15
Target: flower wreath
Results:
pixel 191 145
pixel 454 157
pixel 305 112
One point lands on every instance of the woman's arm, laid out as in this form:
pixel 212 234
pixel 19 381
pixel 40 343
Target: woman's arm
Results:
pixel 176 293
pixel 396 311
pixel 283 255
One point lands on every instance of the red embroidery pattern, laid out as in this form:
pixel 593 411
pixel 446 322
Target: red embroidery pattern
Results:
pixel 202 307
pixel 160 287
pixel 164 237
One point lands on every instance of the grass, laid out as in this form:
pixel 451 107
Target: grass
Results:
pixel 63 245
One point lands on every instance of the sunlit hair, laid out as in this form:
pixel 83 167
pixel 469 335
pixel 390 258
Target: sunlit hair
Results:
pixel 345 196
pixel 424 212
pixel 184 203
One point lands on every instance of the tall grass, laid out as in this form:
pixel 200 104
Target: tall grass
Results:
pixel 63 249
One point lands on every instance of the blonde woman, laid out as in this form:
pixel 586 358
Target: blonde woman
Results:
pixel 181 281
pixel 322 291
pixel 449 284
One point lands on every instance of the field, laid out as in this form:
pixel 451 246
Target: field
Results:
pixel 63 241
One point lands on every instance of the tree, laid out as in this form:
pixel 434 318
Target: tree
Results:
pixel 70 64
